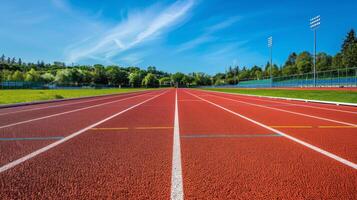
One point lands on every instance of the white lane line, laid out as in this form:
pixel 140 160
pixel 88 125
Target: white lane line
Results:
pixel 52 145
pixel 317 149
pixel 287 111
pixel 265 99
pixel 176 179
pixel 74 103
pixel 67 112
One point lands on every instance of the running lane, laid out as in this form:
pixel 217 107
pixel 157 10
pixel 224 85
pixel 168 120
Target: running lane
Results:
pixel 346 113
pixel 20 139
pixel 126 157
pixel 23 113
pixel 227 157
pixel 335 134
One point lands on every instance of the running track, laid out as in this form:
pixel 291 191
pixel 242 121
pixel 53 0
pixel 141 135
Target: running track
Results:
pixel 178 144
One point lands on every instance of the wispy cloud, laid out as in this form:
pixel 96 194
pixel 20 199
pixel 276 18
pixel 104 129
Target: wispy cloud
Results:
pixel 207 37
pixel 62 5
pixel 139 27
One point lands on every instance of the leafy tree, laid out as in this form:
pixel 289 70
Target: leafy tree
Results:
pixel 134 79
pixel 290 67
pixel 32 76
pixel 244 74
pixel 99 75
pixel 63 76
pixel 86 76
pixel 187 80
pixel 323 62
pixel 304 62
pixel 47 77
pixel 337 61
pixel 177 78
pixel 17 76
pixel 349 58
pixel 150 80
pixel 112 74
pixel 165 81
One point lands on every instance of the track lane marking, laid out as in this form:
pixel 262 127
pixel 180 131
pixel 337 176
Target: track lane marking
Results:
pixel 31 138
pixel 146 128
pixel 337 127
pixel 67 112
pixel 291 126
pixel 137 128
pixel 74 103
pixel 229 135
pixel 109 129
pixel 315 148
pixel 52 145
pixel 176 179
pixel 267 100
pixel 287 111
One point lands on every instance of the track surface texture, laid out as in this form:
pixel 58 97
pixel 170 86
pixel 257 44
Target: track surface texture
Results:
pixel 178 144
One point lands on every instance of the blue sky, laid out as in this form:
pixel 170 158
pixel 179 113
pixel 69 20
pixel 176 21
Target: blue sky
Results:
pixel 188 35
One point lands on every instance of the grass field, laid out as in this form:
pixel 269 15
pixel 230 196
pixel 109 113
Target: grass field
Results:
pixel 20 96
pixel 324 95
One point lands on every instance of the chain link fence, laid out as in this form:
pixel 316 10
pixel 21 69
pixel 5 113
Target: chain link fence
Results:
pixel 342 77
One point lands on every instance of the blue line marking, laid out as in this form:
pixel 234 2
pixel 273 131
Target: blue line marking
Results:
pixel 228 135
pixel 31 138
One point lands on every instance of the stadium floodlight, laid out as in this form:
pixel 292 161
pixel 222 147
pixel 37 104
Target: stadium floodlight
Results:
pixel 270 45
pixel 314 25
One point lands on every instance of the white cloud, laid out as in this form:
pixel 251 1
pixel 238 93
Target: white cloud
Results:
pixel 207 35
pixel 139 27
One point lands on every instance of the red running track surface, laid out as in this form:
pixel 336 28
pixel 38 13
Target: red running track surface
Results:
pixel 224 156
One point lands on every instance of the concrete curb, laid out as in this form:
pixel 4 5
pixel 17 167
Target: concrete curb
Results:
pixel 293 99
pixel 60 100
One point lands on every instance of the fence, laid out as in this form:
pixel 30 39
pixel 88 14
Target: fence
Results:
pixel 21 85
pixel 333 78
pixel 346 77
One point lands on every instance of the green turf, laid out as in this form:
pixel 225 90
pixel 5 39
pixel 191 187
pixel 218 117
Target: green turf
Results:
pixel 324 95
pixel 27 95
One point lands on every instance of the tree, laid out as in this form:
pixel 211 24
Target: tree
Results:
pixel 47 77
pixel 165 81
pixel 350 39
pixel 2 59
pixel 86 76
pixel 177 78
pixel 349 58
pixel 134 79
pixel 112 74
pixel 323 62
pixel 63 76
pixel 99 75
pixel 17 76
pixel 32 76
pixel 304 62
pixel 187 80
pixel 150 80
pixel 337 61
pixel 290 67
pixel 244 74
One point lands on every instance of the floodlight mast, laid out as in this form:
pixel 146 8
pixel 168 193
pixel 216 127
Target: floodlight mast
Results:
pixel 314 24
pixel 270 45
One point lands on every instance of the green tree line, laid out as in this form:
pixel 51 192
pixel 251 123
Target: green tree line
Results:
pixel 296 63
pixel 13 69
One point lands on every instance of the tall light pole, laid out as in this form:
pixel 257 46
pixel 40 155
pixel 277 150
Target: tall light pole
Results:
pixel 270 45
pixel 314 24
